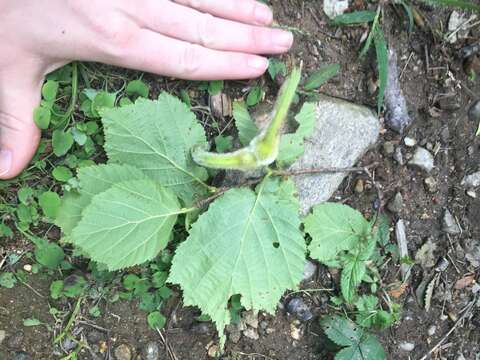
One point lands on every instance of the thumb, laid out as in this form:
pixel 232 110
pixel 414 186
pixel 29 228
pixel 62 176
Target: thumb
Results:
pixel 19 136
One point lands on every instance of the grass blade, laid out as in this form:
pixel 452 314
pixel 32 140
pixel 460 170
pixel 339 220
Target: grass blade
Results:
pixel 369 40
pixel 382 61
pixel 461 4
pixel 321 76
pixel 357 17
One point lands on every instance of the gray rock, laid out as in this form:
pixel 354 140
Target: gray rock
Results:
pixel 251 333
pixel 309 270
pixel 299 309
pixel 234 333
pixel 397 117
pixel 431 184
pixel 406 346
pixel 250 318
pixel 123 352
pixel 472 252
pixel 450 225
pixel 333 8
pixel 472 180
pixel 388 148
pixel 151 351
pixel 423 159
pixel 398 156
pixel 396 204
pixel 410 142
pixel 3 335
pixel 432 330
pixel 343 133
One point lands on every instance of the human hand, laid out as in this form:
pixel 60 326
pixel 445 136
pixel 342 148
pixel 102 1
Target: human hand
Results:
pixel 190 39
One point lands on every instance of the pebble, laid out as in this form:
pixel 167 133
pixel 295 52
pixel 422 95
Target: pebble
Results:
pixel 27 267
pixel 406 346
pixel 388 148
pixel 472 194
pixel 474 112
pixel 398 156
pixel 359 186
pixel 422 159
pixel 431 184
pixel 21 356
pixel 410 142
pixel 472 180
pixel 213 351
pixel 395 205
pixel 3 335
pixel 234 333
pixel 295 332
pixel 123 352
pixel 251 333
pixel 309 270
pixel 432 330
pixel 450 225
pixel 299 309
pixel 250 318
pixel 151 351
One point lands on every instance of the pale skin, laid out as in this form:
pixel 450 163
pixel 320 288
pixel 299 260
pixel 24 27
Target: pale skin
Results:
pixel 188 39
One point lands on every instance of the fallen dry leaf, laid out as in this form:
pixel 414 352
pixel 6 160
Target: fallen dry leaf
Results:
pixel 398 290
pixel 464 282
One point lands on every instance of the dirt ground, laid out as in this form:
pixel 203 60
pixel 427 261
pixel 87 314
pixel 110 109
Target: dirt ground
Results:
pixel 439 94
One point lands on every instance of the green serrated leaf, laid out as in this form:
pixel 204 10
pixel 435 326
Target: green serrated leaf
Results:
pixel 334 228
pixel 352 274
pixel 156 137
pixel 50 90
pixel 47 253
pixel 357 17
pixel 254 96
pixel 382 62
pixel 292 145
pixel 103 100
pixel 128 224
pixel 321 76
pixel 246 243
pixel 42 117
pixel 247 129
pixel 156 320
pixel 61 142
pixel 276 67
pixel 50 203
pixel 7 280
pixel 93 180
pixel 137 88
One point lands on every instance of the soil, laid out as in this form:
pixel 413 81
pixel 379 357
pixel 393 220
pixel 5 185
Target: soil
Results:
pixel 439 94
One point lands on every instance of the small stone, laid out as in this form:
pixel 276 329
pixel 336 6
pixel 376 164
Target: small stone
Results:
pixel 472 194
pixel 406 346
pixel 21 356
pixel 213 351
pixel 263 324
pixel 309 270
pixel 270 331
pixel 251 333
pixel 398 156
pixel 474 112
pixel 359 186
pixel 471 181
pixel 450 226
pixel 123 352
pixel 333 8
pixel 27 267
pixel 250 318
pixel 396 204
pixel 3 335
pixel 432 330
pixel 472 252
pixel 388 148
pixel 410 142
pixel 422 159
pixel 151 351
pixel 295 332
pixel 299 309
pixel 68 344
pixel 431 184
pixel 234 333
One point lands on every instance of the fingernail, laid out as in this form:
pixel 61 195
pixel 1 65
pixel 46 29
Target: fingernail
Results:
pixel 283 39
pixel 263 15
pixel 258 63
pixel 5 161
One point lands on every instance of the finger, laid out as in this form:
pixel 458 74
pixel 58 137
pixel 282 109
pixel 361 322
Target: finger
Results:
pixel 19 137
pixel 156 53
pixel 246 11
pixel 212 32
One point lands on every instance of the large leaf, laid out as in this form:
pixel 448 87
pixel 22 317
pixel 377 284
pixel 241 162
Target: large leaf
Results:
pixel 248 243
pixel 333 228
pixel 292 145
pixel 360 345
pixel 128 224
pixel 247 129
pixel 156 137
pixel 93 180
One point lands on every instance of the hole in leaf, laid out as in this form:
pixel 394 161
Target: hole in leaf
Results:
pixel 276 244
